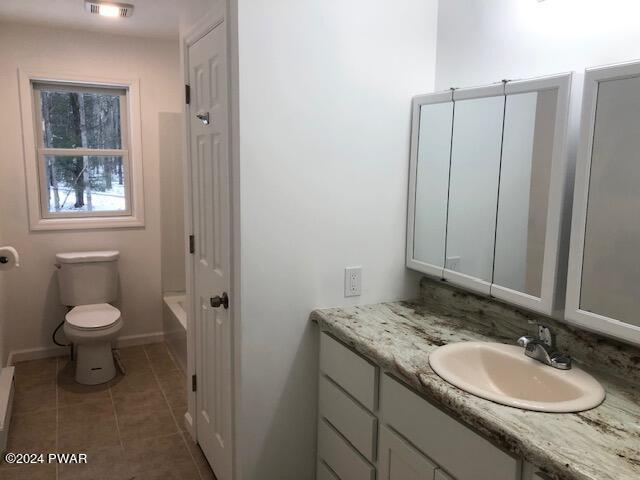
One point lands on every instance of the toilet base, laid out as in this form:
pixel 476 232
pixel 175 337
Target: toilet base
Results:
pixel 94 363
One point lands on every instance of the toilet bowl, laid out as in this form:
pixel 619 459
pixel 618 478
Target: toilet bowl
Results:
pixel 88 284
pixel 91 328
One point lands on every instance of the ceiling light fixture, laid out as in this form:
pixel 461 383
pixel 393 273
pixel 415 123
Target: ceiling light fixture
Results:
pixel 108 9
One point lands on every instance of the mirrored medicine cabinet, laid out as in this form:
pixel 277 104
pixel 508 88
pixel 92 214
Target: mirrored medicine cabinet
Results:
pixel 488 175
pixel 603 284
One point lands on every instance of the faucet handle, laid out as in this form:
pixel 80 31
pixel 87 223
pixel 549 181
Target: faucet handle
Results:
pixel 561 361
pixel 544 333
pixel 525 340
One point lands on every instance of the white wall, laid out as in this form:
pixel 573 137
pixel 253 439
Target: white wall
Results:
pixel 483 41
pixel 33 309
pixel 173 238
pixel 325 96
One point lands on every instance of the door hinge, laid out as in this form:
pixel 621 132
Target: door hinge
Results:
pixel 194 383
pixel 187 94
pixel 192 244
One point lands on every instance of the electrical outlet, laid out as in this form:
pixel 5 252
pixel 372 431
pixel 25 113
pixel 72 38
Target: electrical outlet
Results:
pixel 352 281
pixel 452 263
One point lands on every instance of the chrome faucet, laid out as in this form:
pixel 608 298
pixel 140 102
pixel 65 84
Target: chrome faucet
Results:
pixel 542 349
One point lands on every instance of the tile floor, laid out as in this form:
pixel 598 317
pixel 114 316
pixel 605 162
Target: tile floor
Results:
pixel 130 428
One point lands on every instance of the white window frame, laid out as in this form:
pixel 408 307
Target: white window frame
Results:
pixel 39 216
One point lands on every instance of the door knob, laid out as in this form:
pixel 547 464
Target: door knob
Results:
pixel 220 301
pixel 204 117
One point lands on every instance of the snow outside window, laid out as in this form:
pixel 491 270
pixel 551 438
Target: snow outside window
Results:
pixel 82 150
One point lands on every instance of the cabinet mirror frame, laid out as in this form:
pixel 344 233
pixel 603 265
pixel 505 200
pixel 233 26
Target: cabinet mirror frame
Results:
pixel 554 260
pixel 573 314
pixel 417 103
pixel 552 293
pixel 457 278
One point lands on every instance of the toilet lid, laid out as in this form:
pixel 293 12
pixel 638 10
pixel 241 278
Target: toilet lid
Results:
pixel 98 315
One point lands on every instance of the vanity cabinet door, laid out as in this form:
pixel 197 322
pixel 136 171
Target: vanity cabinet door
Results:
pixel 340 456
pixel 473 187
pixel 604 274
pixel 429 172
pixel 324 472
pixel 440 475
pixel 401 461
pixel 528 257
pixel 445 441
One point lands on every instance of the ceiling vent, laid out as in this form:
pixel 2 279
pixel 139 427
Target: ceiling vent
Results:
pixel 108 9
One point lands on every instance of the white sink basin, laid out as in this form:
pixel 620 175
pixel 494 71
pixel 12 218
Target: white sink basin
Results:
pixel 503 374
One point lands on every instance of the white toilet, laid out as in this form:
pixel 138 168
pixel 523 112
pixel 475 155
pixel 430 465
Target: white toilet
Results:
pixel 89 282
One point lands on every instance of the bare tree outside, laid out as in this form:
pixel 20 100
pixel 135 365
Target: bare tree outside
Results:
pixel 83 120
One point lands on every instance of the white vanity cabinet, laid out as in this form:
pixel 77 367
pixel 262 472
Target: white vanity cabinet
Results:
pixel 603 287
pixel 347 424
pixel 487 200
pixel 401 437
pixel 449 444
pixel 399 460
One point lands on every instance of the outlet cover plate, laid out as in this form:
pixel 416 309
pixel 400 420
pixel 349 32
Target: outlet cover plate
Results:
pixel 352 281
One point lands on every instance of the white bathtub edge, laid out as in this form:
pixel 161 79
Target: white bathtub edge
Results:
pixel 173 301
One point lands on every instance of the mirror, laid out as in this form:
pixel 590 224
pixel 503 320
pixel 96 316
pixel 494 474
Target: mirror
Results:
pixel 527 153
pixel 432 183
pixel 489 183
pixel 473 187
pixel 610 262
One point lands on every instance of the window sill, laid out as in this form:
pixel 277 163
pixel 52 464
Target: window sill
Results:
pixel 86 223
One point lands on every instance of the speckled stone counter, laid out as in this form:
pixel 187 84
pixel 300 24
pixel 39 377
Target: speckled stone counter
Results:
pixel 599 444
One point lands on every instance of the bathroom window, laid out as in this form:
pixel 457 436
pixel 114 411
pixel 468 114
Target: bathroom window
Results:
pixel 86 155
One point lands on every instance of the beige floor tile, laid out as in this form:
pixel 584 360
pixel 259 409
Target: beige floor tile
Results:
pixel 103 463
pixel 139 401
pixel 36 368
pixel 32 432
pixel 136 363
pixel 35 395
pixel 139 409
pixel 163 458
pixel 29 472
pixel 155 350
pixel 71 392
pixel 136 353
pixel 174 385
pixel 160 358
pixel 143 415
pixel 131 383
pixel 90 424
pixel 146 424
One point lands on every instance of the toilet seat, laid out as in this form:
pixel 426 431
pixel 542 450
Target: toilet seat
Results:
pixel 93 317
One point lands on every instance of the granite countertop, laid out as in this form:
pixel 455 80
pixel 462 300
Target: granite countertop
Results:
pixel 599 444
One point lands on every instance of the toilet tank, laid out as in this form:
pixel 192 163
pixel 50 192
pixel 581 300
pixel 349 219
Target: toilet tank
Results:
pixel 87 277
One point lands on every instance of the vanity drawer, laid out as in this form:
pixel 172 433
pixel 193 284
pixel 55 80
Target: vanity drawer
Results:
pixel 440 475
pixel 324 472
pixel 443 439
pixel 341 457
pixel 354 422
pixel 349 370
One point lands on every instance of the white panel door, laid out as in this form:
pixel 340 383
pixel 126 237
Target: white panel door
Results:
pixel 401 461
pixel 211 228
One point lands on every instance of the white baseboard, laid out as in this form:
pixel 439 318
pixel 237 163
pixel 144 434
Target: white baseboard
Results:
pixel 46 352
pixel 16 356
pixel 141 339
